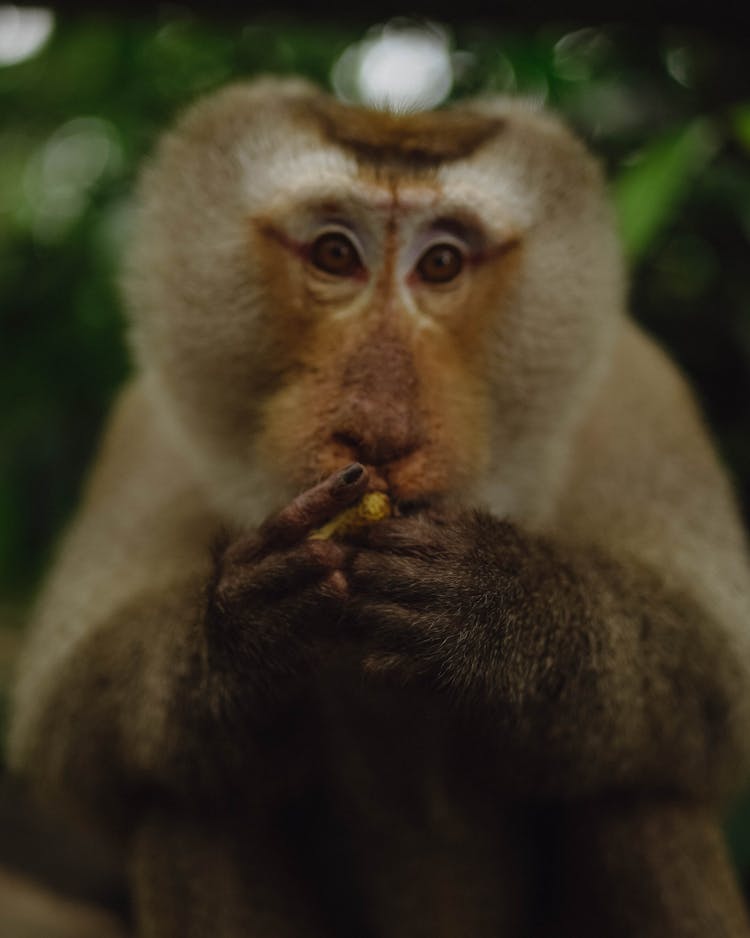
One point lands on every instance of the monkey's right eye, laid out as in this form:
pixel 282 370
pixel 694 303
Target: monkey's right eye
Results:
pixel 334 253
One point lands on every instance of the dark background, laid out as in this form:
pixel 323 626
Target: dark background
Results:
pixel 667 106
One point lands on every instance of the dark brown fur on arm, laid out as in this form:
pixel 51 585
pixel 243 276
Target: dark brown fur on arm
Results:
pixel 195 687
pixel 588 674
pixel 146 707
pixel 586 681
pixel 647 866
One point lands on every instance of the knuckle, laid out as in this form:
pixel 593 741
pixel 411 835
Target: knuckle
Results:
pixel 326 553
pixel 364 565
pixel 335 586
pixel 244 550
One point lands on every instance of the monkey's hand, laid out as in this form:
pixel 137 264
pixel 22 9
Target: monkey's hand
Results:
pixel 278 594
pixel 443 597
pixel 585 670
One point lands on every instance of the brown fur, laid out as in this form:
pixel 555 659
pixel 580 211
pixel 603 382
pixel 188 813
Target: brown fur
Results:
pixel 421 139
pixel 516 708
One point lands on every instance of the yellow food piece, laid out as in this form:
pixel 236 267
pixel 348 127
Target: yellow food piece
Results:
pixel 372 507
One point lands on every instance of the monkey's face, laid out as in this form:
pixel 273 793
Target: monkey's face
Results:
pixel 381 293
pixel 430 295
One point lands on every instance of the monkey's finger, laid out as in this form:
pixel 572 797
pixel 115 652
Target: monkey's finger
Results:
pixel 398 577
pixel 280 573
pixel 317 611
pixel 417 537
pixel 394 668
pixel 336 585
pixel 387 626
pixel 398 640
pixel 243 550
pixel 312 508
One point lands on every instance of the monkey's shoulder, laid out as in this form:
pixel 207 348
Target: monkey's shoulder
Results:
pixel 644 473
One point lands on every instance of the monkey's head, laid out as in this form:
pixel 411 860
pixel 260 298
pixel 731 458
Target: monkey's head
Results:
pixel 433 295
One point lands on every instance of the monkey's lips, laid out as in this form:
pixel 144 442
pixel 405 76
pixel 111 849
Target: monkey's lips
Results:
pixel 405 500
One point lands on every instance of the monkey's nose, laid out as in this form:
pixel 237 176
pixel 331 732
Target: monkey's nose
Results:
pixel 375 449
pixel 376 426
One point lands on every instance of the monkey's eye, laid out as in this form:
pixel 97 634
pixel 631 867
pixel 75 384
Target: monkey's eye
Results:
pixel 334 253
pixel 440 263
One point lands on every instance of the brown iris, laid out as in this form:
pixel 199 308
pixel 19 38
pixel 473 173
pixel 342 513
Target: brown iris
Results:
pixel 441 263
pixel 335 254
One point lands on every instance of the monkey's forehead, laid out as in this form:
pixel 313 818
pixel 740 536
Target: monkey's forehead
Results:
pixel 498 153
pixel 324 181
pixel 291 142
pixel 306 167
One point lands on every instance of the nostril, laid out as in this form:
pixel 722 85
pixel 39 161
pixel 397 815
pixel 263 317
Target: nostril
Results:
pixel 360 446
pixel 349 440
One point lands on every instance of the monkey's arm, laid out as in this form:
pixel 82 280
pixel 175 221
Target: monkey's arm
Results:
pixel 134 678
pixel 580 679
pixel 654 864
pixel 589 673
pixel 115 635
pixel 645 483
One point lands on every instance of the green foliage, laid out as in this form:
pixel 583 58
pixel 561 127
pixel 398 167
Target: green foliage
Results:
pixel 649 190
pixel 78 117
pixel 741 121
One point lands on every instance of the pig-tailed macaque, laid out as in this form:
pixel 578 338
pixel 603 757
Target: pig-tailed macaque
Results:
pixel 514 705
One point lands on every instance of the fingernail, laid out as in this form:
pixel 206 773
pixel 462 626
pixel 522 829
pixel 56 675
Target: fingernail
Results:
pixel 352 472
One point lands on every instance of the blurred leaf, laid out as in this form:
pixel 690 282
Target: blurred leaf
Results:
pixel 741 124
pixel 648 193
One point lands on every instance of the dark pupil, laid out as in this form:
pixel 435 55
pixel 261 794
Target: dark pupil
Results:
pixel 335 254
pixel 440 263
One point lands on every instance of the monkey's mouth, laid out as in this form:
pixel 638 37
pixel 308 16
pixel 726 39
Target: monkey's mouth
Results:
pixel 404 502
pixel 403 505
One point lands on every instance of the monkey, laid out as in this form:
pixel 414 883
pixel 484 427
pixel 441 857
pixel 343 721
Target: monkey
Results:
pixel 515 707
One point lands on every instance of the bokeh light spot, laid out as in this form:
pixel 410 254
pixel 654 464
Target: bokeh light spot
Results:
pixel 398 68
pixel 23 32
pixel 64 170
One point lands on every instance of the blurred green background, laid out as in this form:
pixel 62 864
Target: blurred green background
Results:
pixel 662 106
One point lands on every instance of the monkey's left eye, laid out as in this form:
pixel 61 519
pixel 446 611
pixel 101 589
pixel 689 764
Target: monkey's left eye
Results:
pixel 334 253
pixel 440 263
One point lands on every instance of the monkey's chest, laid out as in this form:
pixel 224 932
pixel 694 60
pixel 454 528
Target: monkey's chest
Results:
pixel 421 842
